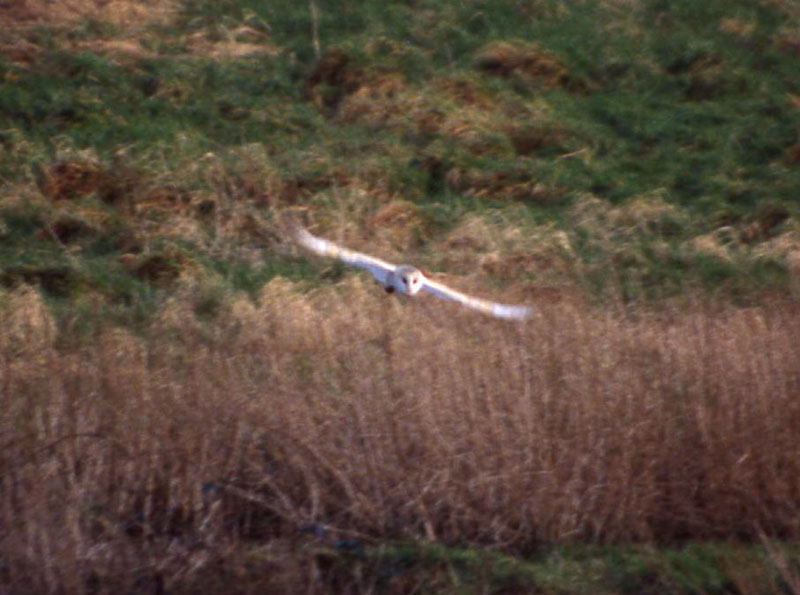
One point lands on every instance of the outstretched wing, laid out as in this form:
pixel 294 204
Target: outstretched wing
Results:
pixel 485 306
pixel 379 269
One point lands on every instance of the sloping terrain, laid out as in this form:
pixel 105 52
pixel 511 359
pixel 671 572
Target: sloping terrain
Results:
pixel 637 152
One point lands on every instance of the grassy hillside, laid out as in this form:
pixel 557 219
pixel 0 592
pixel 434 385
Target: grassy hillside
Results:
pixel 187 399
pixel 625 150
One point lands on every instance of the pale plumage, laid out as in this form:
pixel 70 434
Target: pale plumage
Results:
pixel 405 279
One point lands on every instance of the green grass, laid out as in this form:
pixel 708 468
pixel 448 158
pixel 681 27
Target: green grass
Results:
pixel 710 568
pixel 660 98
pixel 688 101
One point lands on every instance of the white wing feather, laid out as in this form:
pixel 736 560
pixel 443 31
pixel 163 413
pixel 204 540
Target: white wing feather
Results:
pixel 378 268
pixel 485 306
pixel 383 270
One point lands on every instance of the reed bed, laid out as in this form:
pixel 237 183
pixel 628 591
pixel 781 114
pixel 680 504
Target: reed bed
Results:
pixel 379 418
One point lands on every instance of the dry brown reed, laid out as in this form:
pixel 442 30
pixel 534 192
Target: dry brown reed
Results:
pixel 138 456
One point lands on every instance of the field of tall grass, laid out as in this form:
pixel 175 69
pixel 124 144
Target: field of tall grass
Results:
pixel 131 457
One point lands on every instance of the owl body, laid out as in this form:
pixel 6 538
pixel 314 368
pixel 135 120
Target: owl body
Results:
pixel 406 279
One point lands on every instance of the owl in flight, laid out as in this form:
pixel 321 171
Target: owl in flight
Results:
pixel 405 279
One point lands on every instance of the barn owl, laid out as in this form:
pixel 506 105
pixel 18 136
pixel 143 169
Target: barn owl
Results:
pixel 405 279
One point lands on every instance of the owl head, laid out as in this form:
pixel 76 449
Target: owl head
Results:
pixel 408 280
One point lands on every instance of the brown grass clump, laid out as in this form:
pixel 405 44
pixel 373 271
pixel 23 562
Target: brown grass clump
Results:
pixel 71 225
pixel 147 460
pixel 736 27
pixel 454 108
pixel 332 79
pixel 82 174
pixel 640 215
pixel 240 42
pixel 399 222
pixel 120 12
pixel 764 224
pixel 20 51
pixel 133 17
pixel 505 58
pixel 505 251
pixel 508 183
pixel 27 325
pixel 65 180
pixel 788 41
pixel 465 92
pixel 620 233
pixel 157 268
